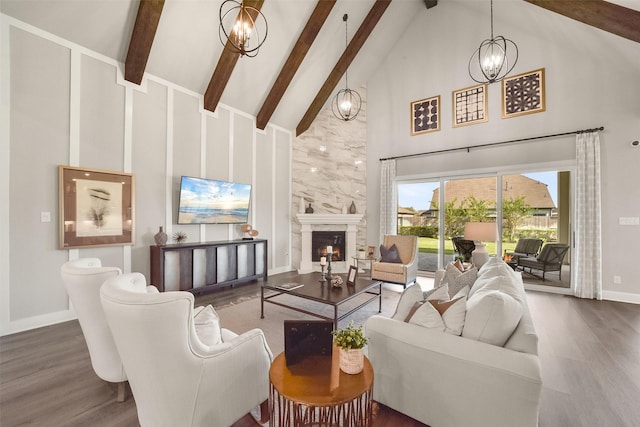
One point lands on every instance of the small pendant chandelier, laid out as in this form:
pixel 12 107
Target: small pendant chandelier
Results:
pixel 244 27
pixel 491 58
pixel 347 103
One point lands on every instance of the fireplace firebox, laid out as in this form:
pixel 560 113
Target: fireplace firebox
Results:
pixel 321 239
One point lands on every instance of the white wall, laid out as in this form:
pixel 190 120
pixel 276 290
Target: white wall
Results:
pixel 64 104
pixel 592 79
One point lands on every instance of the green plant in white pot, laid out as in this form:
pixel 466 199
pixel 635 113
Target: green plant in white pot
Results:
pixel 361 253
pixel 350 342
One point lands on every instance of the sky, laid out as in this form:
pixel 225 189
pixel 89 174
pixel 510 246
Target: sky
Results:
pixel 418 195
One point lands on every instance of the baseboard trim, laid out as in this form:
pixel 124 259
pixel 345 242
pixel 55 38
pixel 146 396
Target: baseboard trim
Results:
pixel 38 322
pixel 621 297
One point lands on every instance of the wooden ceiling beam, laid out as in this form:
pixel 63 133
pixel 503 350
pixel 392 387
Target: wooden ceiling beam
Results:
pixel 610 17
pixel 225 66
pixel 358 40
pixel 297 55
pixel 144 31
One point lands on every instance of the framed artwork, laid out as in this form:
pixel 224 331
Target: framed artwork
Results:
pixel 352 275
pixel 371 252
pixel 470 106
pixel 425 115
pixel 523 94
pixel 96 207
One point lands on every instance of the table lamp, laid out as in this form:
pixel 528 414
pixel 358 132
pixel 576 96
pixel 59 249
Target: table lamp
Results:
pixel 479 232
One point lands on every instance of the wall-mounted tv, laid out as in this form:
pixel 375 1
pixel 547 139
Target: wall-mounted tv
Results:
pixel 209 201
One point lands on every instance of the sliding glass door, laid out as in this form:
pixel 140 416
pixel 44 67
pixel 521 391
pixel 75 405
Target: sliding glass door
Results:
pixel 418 217
pixel 528 205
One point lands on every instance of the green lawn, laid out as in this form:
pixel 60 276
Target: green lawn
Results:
pixel 430 246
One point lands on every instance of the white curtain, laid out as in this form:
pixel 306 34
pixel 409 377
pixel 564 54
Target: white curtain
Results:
pixel 587 270
pixel 388 198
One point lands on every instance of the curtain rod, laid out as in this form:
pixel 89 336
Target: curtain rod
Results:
pixel 468 148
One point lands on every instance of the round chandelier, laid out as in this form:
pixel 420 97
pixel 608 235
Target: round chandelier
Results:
pixel 491 63
pixel 242 28
pixel 347 103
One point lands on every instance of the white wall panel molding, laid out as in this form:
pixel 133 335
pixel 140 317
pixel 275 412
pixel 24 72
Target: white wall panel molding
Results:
pixel 5 133
pixel 142 87
pixel 240 131
pixel 74 108
pixel 169 166
pixel 58 40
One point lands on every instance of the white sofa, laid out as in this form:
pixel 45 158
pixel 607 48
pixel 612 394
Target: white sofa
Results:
pixel 442 379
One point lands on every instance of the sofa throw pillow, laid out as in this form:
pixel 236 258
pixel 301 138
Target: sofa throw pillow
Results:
pixel 207 323
pixel 439 293
pixel 390 254
pixel 409 297
pixel 457 279
pixel 447 316
pixel 492 316
pixel 458 264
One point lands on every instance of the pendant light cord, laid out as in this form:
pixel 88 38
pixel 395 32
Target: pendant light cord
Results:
pixel 491 19
pixel 345 18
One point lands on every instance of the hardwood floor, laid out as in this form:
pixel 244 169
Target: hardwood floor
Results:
pixel 589 353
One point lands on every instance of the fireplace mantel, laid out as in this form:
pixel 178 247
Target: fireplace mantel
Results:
pixel 328 219
pixel 347 222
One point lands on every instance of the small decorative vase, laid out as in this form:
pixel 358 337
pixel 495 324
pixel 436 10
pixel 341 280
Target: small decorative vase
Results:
pixel 301 206
pixel 160 238
pixel 309 209
pixel 352 208
pixel 344 209
pixel 352 360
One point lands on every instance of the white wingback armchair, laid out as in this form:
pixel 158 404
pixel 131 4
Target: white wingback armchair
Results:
pixel 403 272
pixel 176 379
pixel 82 279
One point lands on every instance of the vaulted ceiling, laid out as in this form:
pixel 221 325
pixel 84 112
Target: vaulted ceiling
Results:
pixel 300 66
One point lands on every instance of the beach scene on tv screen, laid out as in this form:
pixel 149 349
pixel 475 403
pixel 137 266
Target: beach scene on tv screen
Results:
pixel 213 202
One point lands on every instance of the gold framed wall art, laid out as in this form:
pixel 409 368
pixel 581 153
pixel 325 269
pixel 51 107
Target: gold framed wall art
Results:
pixel 523 94
pixel 96 207
pixel 425 115
pixel 470 105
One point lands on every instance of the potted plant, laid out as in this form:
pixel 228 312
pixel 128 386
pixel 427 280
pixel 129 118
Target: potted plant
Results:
pixel 350 342
pixel 361 253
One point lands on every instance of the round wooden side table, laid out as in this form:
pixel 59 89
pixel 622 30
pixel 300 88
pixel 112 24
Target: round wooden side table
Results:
pixel 314 392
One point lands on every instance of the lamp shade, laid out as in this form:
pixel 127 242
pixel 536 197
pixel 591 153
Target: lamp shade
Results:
pixel 481 231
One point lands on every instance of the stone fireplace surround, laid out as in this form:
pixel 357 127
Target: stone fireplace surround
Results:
pixel 327 222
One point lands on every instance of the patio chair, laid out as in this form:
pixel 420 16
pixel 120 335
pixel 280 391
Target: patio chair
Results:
pixel 525 248
pixel 463 247
pixel 550 259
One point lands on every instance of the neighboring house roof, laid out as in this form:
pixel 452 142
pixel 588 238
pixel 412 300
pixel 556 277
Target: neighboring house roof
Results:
pixel 405 211
pixel 535 192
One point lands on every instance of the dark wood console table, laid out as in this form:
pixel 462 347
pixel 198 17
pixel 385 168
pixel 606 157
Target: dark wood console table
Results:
pixel 200 267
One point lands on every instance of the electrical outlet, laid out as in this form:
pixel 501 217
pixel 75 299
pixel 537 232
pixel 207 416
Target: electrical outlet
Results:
pixel 45 216
pixel 617 280
pixel 629 220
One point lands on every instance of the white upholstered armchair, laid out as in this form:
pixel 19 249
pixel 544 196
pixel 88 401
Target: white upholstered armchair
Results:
pixel 82 279
pixel 176 379
pixel 403 272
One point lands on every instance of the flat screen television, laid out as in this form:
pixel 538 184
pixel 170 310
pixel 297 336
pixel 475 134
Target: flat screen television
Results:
pixel 209 201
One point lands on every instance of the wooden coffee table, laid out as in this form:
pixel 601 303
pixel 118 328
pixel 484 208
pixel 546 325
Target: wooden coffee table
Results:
pixel 324 293
pixel 315 392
